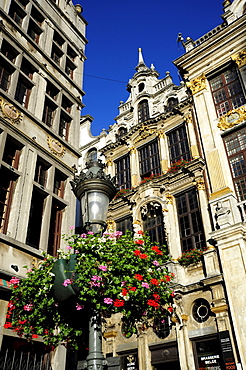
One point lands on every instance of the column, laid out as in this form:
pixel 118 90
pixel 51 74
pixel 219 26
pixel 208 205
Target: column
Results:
pixel 134 167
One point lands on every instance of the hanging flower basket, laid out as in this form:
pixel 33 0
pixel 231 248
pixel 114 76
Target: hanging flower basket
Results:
pixel 177 166
pixel 108 274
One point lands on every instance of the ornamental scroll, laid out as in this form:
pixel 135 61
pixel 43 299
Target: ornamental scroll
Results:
pixel 197 84
pixel 232 118
pixel 56 147
pixel 9 111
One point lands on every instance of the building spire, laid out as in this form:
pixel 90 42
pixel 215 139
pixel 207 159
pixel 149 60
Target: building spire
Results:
pixel 140 56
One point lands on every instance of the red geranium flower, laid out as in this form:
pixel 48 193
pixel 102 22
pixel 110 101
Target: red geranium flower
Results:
pixel 133 288
pixel 154 281
pixel 143 256
pixel 170 309
pixel 138 277
pixel 124 292
pixel 139 241
pixel 119 303
pixel 137 252
pixel 153 303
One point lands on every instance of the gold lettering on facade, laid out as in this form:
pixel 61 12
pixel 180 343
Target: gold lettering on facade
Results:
pixel 56 147
pixel 232 118
pixel 240 58
pixel 9 111
pixel 197 84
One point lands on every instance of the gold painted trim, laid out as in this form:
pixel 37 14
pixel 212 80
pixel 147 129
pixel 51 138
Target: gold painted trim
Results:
pixel 184 317
pixel 144 132
pixel 56 147
pixel 198 84
pixel 133 150
pixel 232 118
pixel 137 222
pixel 219 193
pixel 10 112
pixel 110 224
pixel 219 309
pixel 175 320
pixel 109 162
pixel 110 334
pixel 240 58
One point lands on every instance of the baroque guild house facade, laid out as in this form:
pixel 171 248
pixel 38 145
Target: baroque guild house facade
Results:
pixel 178 154
pixel 42 48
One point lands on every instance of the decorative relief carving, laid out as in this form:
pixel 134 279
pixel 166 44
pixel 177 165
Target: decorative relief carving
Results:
pixel 219 309
pixel 56 147
pixel 160 135
pixel 199 183
pixel 197 84
pixel 110 225
pixel 109 162
pixel 144 132
pixel 9 111
pixel 240 58
pixel 188 119
pixel 133 150
pixel 169 198
pixel 232 118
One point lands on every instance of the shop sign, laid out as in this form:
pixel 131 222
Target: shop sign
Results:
pixel 226 349
pixel 130 362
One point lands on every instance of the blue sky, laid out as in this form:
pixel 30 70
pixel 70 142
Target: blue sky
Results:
pixel 115 32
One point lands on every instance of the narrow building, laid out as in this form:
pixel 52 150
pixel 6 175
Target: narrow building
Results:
pixel 42 47
pixel 178 153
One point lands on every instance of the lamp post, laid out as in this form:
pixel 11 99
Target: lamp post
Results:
pixel 94 189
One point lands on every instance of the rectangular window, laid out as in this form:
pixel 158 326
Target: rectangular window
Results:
pixel 178 145
pixel 149 160
pixel 55 228
pixel 8 51
pixel 49 112
pixel 64 126
pixel 124 225
pixel 227 91
pixel 190 221
pixel 11 154
pixel 123 172
pixel 17 13
pixel 59 184
pixel 23 91
pixel 41 171
pixel 7 185
pixel 5 76
pixel 235 145
pixel 35 218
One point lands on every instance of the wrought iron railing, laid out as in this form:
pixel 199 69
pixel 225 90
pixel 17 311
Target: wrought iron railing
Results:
pixel 18 360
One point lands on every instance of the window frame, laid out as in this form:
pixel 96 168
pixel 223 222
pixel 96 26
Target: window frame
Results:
pixel 149 163
pixel 181 146
pixel 123 173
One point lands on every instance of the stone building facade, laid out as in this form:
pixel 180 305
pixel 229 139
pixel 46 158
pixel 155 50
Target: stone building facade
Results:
pixel 42 46
pixel 178 153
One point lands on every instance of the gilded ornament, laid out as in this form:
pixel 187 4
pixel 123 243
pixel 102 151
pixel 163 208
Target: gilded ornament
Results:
pixel 219 309
pixel 109 162
pixel 232 118
pixel 9 111
pixel 188 119
pixel 144 132
pixel 197 84
pixel 240 58
pixel 56 147
pixel 200 185
pixel 169 198
pixel 160 135
pixel 133 150
pixel 110 225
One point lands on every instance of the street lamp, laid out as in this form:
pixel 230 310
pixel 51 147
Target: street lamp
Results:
pixel 94 189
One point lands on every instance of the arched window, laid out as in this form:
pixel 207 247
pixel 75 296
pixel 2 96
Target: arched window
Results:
pixel 121 132
pixel 143 111
pixel 153 222
pixel 91 155
pixel 170 104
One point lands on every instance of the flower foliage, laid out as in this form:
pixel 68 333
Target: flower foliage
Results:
pixel 192 257
pixel 150 178
pixel 121 193
pixel 113 273
pixel 177 166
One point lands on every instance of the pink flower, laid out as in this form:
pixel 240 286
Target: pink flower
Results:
pixel 90 233
pixel 76 251
pixel 79 307
pixel 156 263
pixel 83 236
pixel 103 268
pixel 145 285
pixel 28 307
pixel 108 300
pixel 96 277
pixel 67 282
pixel 71 227
pixel 14 280
pixel 68 247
